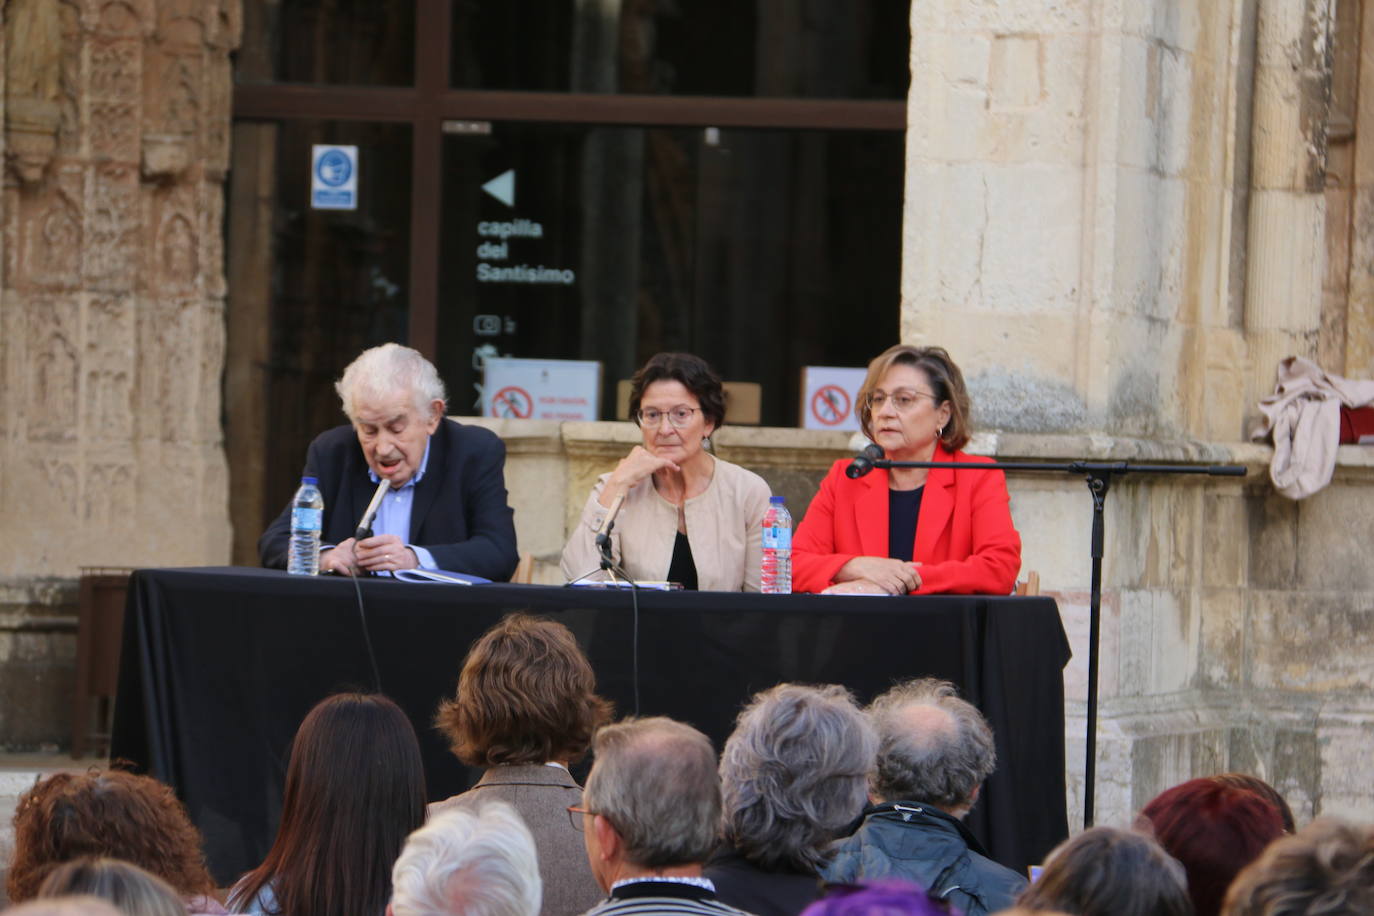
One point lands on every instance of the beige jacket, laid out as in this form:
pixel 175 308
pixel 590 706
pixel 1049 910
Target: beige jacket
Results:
pixel 1304 417
pixel 724 529
pixel 541 795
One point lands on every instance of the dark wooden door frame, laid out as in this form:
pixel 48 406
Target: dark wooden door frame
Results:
pixel 431 102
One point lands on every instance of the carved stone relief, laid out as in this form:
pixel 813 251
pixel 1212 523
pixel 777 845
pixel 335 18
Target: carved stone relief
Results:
pixel 108 497
pixel 53 352
pixel 33 65
pixel 109 367
pixel 213 196
pixel 55 481
pixel 178 343
pixel 52 240
pixel 211 371
pixel 112 247
pixel 219 87
pixel 172 107
pixel 178 259
pixel 114 131
pixel 115 75
pixel 186 22
pixel 132 18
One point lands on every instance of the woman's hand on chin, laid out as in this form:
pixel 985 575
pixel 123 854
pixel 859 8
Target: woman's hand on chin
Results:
pixel 634 467
pixel 895 577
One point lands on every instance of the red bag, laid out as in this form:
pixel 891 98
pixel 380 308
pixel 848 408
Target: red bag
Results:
pixel 1357 425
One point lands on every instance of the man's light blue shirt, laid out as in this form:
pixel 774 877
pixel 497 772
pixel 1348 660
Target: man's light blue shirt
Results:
pixel 393 516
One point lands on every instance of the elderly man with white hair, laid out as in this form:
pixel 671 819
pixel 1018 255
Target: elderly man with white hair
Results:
pixel 468 863
pixel 934 752
pixel 446 506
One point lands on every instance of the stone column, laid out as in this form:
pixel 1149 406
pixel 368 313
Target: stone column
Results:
pixel 111 310
pixel 1287 252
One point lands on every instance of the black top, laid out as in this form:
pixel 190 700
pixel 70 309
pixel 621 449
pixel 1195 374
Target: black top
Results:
pixel 683 569
pixel 745 885
pixel 903 507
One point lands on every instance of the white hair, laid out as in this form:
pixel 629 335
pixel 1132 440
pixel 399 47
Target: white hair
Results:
pixel 387 370
pixel 468 863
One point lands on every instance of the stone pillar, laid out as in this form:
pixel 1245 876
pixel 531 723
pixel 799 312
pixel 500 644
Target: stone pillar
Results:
pixel 111 299
pixel 1287 242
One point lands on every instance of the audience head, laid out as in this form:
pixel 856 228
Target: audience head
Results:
pixel 794 774
pixel 355 789
pixel 876 898
pixel 132 890
pixel 107 813
pixel 468 863
pixel 652 798
pixel 1263 790
pixel 526 694
pixel 1104 871
pixel 932 746
pixel 74 905
pixel 1214 830
pixel 1325 869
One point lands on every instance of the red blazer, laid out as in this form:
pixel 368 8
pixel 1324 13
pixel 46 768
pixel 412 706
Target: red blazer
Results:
pixel 965 540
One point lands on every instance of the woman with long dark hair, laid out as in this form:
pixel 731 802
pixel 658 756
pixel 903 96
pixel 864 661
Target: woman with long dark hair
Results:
pixel 355 788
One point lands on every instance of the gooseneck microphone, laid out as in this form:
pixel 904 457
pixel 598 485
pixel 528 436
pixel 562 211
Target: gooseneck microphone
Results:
pixel 603 532
pixel 863 462
pixel 365 525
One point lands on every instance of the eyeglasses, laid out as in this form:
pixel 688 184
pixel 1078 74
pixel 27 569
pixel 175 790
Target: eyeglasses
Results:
pixel 901 400
pixel 576 813
pixel 678 416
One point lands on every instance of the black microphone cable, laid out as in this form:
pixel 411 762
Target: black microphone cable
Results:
pixel 367 635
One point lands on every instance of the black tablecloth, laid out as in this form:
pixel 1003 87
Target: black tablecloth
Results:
pixel 219 666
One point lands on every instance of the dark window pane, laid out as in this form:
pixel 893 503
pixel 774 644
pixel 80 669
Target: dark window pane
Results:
pixel 339 284
pixel 331 42
pixel 819 49
pixel 762 251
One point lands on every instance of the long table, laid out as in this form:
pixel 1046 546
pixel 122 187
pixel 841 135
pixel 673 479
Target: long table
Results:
pixel 219 666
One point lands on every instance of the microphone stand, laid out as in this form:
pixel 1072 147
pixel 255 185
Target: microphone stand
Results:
pixel 603 546
pixel 1098 476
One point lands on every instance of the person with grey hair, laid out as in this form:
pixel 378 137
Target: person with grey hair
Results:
pixel 478 862
pixel 446 507
pixel 934 752
pixel 649 815
pixel 793 777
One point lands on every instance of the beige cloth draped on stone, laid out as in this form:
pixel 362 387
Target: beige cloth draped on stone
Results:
pixel 1304 416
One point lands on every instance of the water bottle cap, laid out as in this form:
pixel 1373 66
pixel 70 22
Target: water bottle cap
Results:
pixel 309 480
pixel 775 500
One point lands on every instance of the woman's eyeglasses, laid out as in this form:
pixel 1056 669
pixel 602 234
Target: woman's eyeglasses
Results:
pixel 677 416
pixel 901 400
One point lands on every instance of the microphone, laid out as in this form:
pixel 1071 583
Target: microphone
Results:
pixel 603 532
pixel 365 526
pixel 863 462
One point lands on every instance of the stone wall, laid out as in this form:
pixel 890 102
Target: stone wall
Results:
pixel 111 310
pixel 1117 220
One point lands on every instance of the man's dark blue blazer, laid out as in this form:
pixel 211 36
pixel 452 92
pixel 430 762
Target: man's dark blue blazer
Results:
pixel 460 513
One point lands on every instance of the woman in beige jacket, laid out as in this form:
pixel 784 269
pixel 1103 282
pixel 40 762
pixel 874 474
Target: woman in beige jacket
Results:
pixel 686 516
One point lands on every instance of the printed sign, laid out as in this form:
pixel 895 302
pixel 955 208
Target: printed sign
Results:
pixel 542 389
pixel 333 177
pixel 829 395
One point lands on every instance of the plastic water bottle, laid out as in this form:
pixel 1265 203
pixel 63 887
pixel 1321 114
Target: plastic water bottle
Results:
pixel 776 575
pixel 307 520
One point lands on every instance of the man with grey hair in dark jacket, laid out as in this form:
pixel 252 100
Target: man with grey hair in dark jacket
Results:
pixel 650 815
pixel 934 752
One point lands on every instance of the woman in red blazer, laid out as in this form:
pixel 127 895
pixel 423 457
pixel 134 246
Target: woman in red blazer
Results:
pixel 921 530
